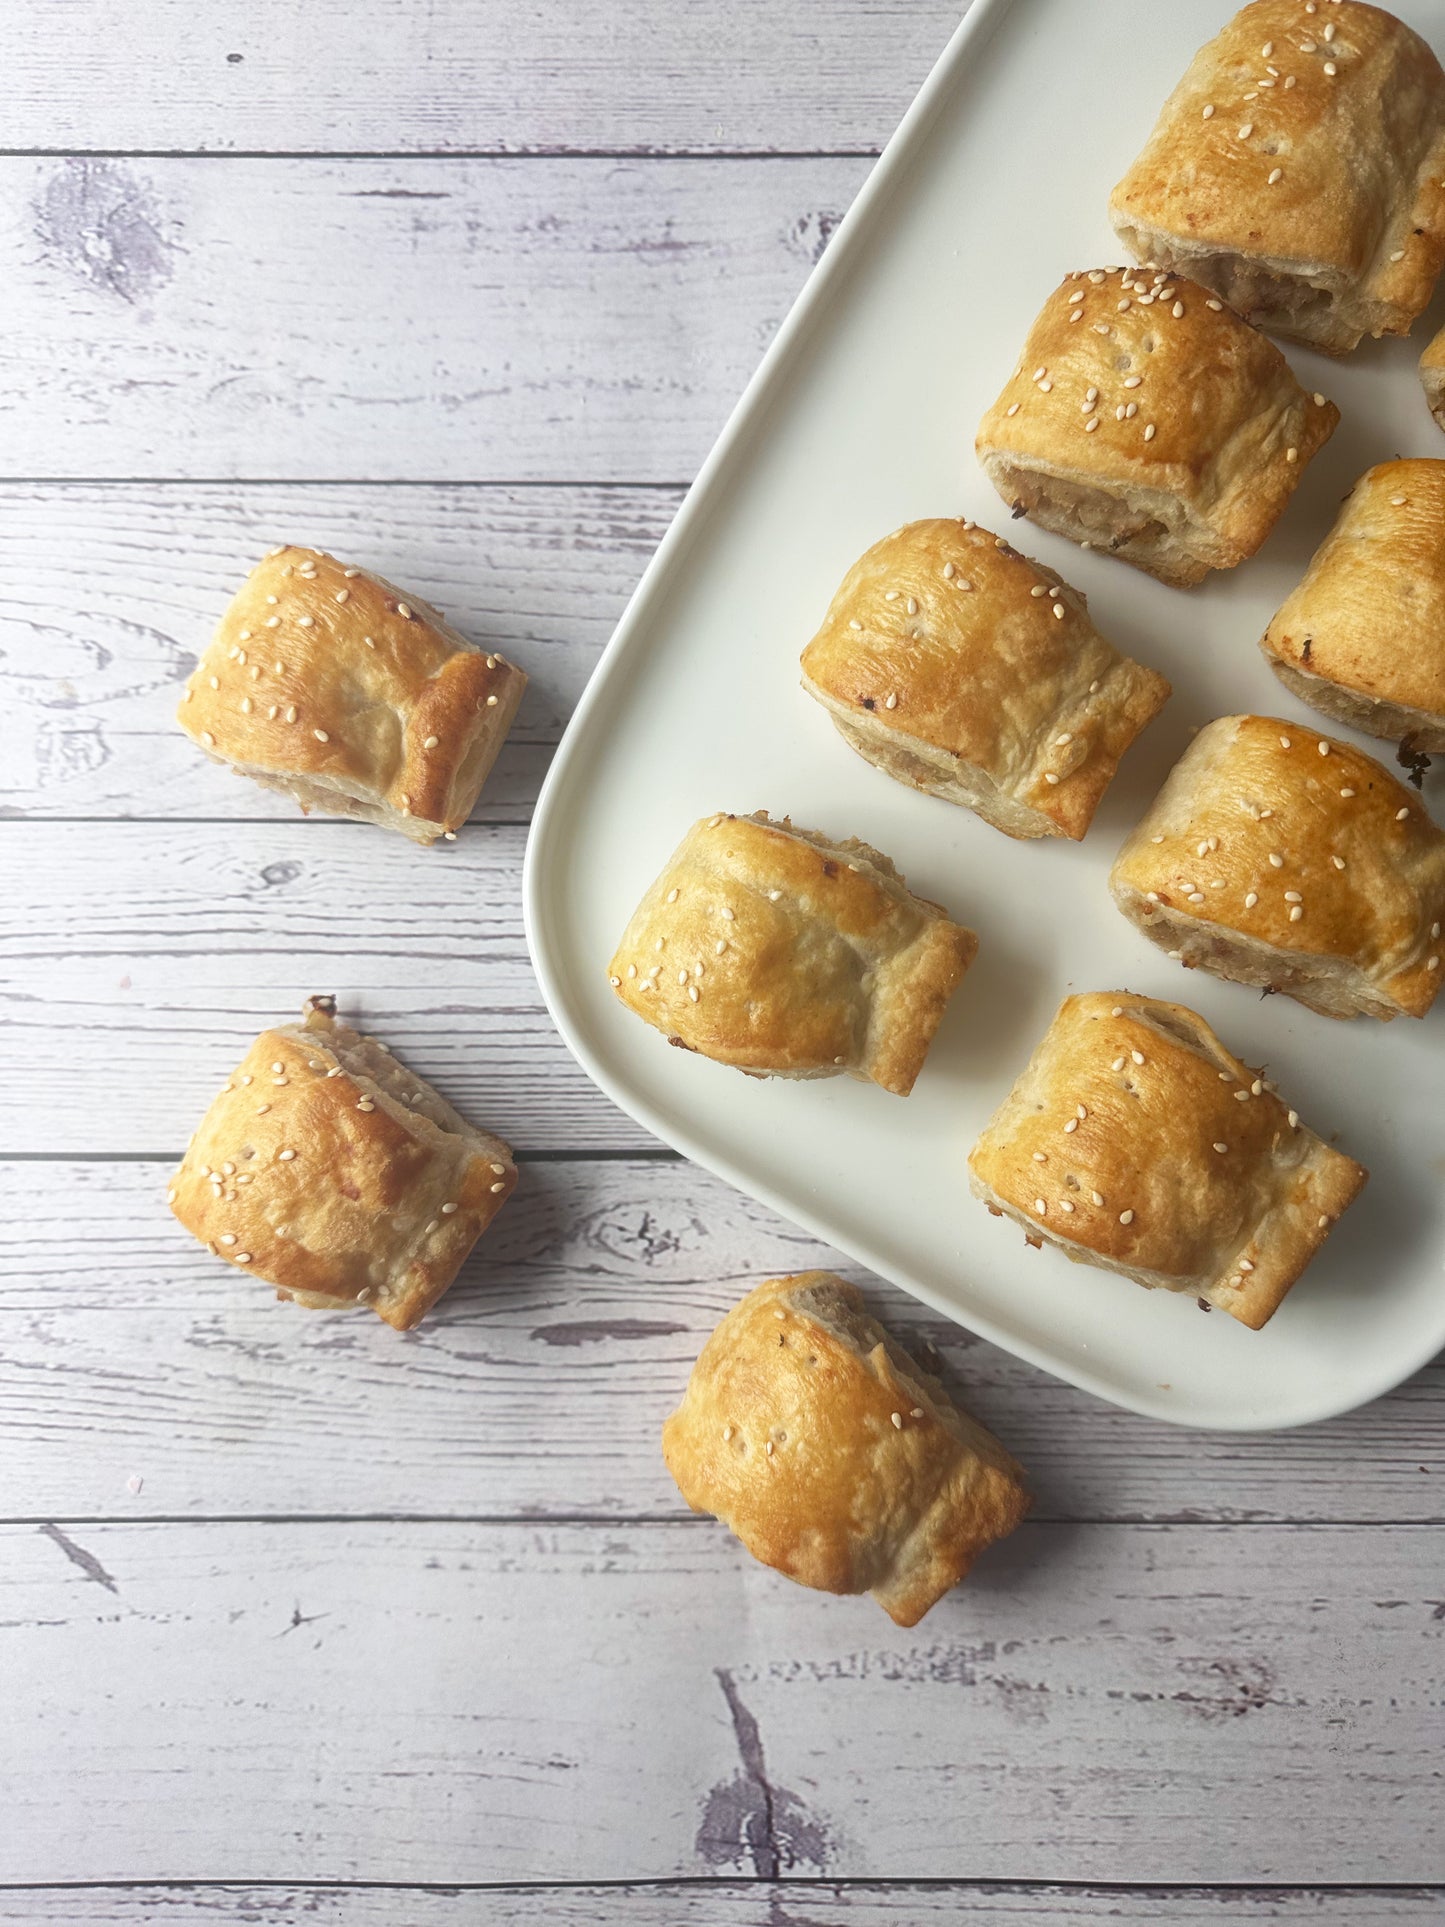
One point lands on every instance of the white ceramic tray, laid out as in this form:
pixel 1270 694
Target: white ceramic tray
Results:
pixel 861 417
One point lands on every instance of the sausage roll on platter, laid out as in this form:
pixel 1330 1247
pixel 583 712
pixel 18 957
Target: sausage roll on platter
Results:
pixel 1278 857
pixel 331 685
pixel 835 1459
pixel 1135 1140
pixel 1147 420
pixel 772 949
pixel 960 667
pixel 339 1176
pixel 1362 639
pixel 1298 170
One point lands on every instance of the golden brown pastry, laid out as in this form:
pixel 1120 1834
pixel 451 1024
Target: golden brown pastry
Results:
pixel 331 685
pixel 1136 1141
pixel 339 1176
pixel 1147 420
pixel 773 950
pixel 832 1456
pixel 1298 169
pixel 1432 376
pixel 1362 638
pixel 1279 857
pixel 964 669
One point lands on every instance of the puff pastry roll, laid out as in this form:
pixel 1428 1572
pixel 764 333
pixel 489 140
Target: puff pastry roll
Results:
pixel 1297 170
pixel 832 1456
pixel 339 1176
pixel 1363 636
pixel 1279 857
pixel 1147 420
pixel 1432 376
pixel 1137 1142
pixel 329 684
pixel 785 955
pixel 964 669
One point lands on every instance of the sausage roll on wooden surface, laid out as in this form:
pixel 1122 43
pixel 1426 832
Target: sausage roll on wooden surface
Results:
pixel 832 1456
pixel 331 685
pixel 1298 169
pixel 1363 636
pixel 774 950
pixel 339 1176
pixel 964 669
pixel 1147 420
pixel 1279 857
pixel 1136 1141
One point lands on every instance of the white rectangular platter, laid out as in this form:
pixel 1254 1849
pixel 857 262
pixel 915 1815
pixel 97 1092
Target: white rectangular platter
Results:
pixel 862 417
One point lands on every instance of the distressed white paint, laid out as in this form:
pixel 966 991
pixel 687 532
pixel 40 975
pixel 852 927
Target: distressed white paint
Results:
pixel 433 1702
pixel 538 1386
pixel 545 320
pixel 717 1903
pixel 109 594
pixel 633 75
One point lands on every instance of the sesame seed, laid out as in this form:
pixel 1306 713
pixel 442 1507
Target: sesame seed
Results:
pixel 1091 424
pixel 208 739
pixel 890 701
pixel 1046 388
pixel 1013 407
pixel 1050 776
pixel 1060 741
pixel 1267 49
pixel 1331 69
pixel 1323 1222
pixel 1126 1217
pixel 897 1418
pixel 1324 749
pixel 1246 130
pixel 1059 611
pixel 430 742
pixel 719 947
pixel 1041 1207
pixel 727 1433
pixel 1137 1055
pixel 1071 1126
pixel 1196 896
pixel 1096 275
pixel 1296 913
pixel 1400 815
pixel 1178 310
pixel 1133 381
pixel 694 993
pixel 1329 32
pixel 1208 113
pixel 1039 1158
pixel 1293 896
pixel 403 611
pixel 365 1104
pixel 854 623
pixel 1347 792
pixel 1039 588
pixel 1276 861
pixel 321 735
pixel 306 622
pixel 1118 1064
pixel 1217 306
pixel 291 712
pixel 228 1237
pixel 891 595
pixel 1149 433
pixel 343 595
pixel 1294 1120
pixel 242 1257
pixel 1077 295
pixel 215 682
pixel 495 1189
pixel 672 897
pixel 1433 963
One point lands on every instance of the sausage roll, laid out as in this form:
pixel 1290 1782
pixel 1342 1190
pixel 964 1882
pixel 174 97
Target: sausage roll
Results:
pixel 1363 636
pixel 832 1456
pixel 1146 419
pixel 1298 169
pixel 774 950
pixel 1278 857
pixel 1136 1141
pixel 959 666
pixel 341 1178
pixel 1432 376
pixel 331 685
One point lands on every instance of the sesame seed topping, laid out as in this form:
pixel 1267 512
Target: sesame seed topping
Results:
pixel 897 1418
pixel 1324 748
pixel 727 1433
pixel 343 595
pixel 1133 381
pixel 1071 1126
pixel 1118 1064
pixel 403 611
pixel 1347 792
pixel 242 1257
pixel 1331 69
pixel 1338 861
pixel 1178 310
pixel 890 701
pixel 1126 1217
pixel 1276 861
pixel 365 1104
pixel 495 1189
pixel 1059 611
pixel 768 1448
pixel 1433 963
pixel 1091 424
pixel 1149 433
pixel 1013 407
pixel 1293 896
pixel 430 742
pixel 1039 588
pixel 321 735
pixel 1296 913
pixel 1041 1207
pixel 1065 1205
pixel 1137 1055
pixel 306 622
pixel 694 993
pixel 1221 1148
pixel 1097 1196
pixel 1217 306
pixel 1208 113
pixel 1039 1158
pixel 208 739
pixel 1294 1120
pixel 1246 130
pixel 1400 815
pixel 1050 776
pixel 1323 1222
pixel 1267 49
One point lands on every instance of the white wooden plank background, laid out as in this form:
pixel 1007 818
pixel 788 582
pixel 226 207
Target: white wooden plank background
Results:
pixel 288 1605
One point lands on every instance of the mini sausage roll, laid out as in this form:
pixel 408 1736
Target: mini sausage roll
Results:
pixel 339 1176
pixel 329 684
pixel 774 950
pixel 1136 1141
pixel 964 669
pixel 1146 419
pixel 1432 376
pixel 1298 169
pixel 1362 638
pixel 832 1456
pixel 1279 857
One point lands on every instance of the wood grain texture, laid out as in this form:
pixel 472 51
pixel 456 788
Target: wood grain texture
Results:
pixel 638 76
pixel 538 1387
pixel 108 594
pixel 431 1702
pixel 546 320
pixel 153 959
pixel 721 1903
